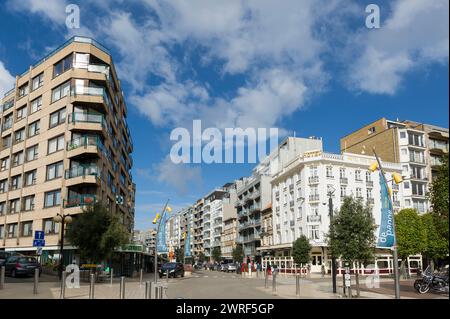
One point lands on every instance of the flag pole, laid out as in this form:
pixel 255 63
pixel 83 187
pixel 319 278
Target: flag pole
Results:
pixel 394 247
pixel 156 241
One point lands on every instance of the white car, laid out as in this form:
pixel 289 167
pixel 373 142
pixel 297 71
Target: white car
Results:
pixel 231 268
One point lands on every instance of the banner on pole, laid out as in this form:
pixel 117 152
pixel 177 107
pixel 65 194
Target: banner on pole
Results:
pixel 187 243
pixel 162 245
pixel 386 236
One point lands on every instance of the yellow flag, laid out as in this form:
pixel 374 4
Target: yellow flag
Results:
pixel 169 209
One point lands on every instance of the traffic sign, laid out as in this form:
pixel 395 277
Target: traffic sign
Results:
pixel 39 235
pixel 38 243
pixel 39 251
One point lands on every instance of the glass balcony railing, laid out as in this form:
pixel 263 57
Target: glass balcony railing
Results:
pixel 84 117
pixel 80 200
pixel 92 91
pixel 91 170
pixel 84 141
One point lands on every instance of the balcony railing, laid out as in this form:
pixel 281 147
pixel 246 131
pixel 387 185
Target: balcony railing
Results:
pixel 314 197
pixel 85 141
pixel 91 170
pixel 80 200
pixel 369 183
pixel 313 179
pixel 343 180
pixel 85 117
pixel 314 218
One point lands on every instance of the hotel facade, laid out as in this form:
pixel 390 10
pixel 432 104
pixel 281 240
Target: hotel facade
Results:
pixel 65 144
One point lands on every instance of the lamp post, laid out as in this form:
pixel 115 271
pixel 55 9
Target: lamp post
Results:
pixel 63 219
pixel 156 238
pixel 330 193
pixel 398 179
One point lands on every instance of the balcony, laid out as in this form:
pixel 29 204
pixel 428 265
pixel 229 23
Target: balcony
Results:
pixel 87 121
pixel 369 183
pixel 85 145
pixel 396 203
pixel 80 200
pixel 82 175
pixel 314 218
pixel 88 94
pixel 314 198
pixel 343 180
pixel 417 160
pixel 313 180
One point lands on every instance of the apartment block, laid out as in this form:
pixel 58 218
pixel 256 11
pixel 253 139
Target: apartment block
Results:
pixel 197 228
pixel 300 194
pixel 418 147
pixel 65 144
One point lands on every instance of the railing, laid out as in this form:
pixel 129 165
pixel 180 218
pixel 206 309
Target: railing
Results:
pixel 369 183
pixel 9 92
pixel 343 180
pixel 85 141
pixel 8 104
pixel 314 218
pixel 314 197
pixel 80 200
pixel 87 118
pixel 91 170
pixel 396 203
pixel 313 179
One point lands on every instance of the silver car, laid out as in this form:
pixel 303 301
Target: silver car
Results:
pixel 231 268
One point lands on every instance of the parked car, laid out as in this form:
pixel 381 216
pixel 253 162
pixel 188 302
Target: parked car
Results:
pixel 174 269
pixel 223 267
pixel 21 265
pixel 232 267
pixel 5 254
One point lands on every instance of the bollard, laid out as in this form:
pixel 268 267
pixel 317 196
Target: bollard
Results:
pixel 343 286
pixel 91 286
pixel 122 287
pixel 63 285
pixel 150 289
pixel 161 292
pixel 274 283
pixel 141 275
pixel 2 277
pixel 147 290
pixel 266 280
pixel 167 275
pixel 112 276
pixel 156 292
pixel 350 292
pixel 297 285
pixel 36 280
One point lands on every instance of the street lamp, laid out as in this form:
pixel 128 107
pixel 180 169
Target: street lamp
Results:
pixel 330 193
pixel 63 219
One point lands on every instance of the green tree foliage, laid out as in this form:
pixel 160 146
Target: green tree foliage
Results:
pixel 216 254
pixel 301 249
pixel 436 245
pixel 238 253
pixel 352 233
pixel 439 198
pixel 201 257
pixel 97 233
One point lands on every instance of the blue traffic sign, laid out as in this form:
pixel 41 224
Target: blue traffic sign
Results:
pixel 38 243
pixel 39 235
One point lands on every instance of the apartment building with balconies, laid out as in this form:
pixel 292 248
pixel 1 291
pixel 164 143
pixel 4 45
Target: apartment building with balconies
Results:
pixel 300 198
pixel 418 147
pixel 197 228
pixel 65 144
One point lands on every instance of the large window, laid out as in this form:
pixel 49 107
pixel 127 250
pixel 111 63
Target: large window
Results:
pixel 30 177
pixel 4 164
pixel 55 170
pixel 21 113
pixel 63 65
pixel 57 117
pixel 14 206
pixel 17 158
pixel 2 208
pixel 12 230
pixel 56 144
pixel 36 105
pixel 50 227
pixel 2 231
pixel 60 91
pixel 52 198
pixel 32 153
pixel 16 182
pixel 3 185
pixel 28 203
pixel 313 232
pixel 23 90
pixel 33 128
pixel 37 81
pixel 27 229
pixel 19 135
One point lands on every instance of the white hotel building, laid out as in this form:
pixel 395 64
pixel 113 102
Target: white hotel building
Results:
pixel 300 200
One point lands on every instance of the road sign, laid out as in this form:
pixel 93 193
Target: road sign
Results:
pixel 38 243
pixel 347 280
pixel 39 235
pixel 39 251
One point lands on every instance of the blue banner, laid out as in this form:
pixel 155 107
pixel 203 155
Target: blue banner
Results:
pixel 386 236
pixel 162 244
pixel 187 242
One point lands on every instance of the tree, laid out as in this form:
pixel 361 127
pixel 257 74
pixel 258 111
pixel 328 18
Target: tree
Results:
pixel 179 254
pixel 301 249
pixel 436 246
pixel 439 197
pixel 352 233
pixel 201 257
pixel 216 253
pixel 96 233
pixel 238 253
pixel 411 235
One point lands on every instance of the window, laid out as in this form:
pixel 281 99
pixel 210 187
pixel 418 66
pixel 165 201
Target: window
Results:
pixel 57 117
pixel 50 227
pixel 23 90
pixel 406 185
pixel 369 193
pixel 8 122
pixel 4 164
pixel 415 139
pixel 18 159
pixel 2 208
pixel 12 230
pixel 14 206
pixel 19 135
pixel 4 185
pixel 330 171
pixel 2 231
pixel 371 130
pixel 32 153
pixel 30 178
pixel 37 81
pixel 313 232
pixel 54 170
pixel 36 105
pixel 404 151
pixel 16 182
pixel 402 134
pixel 358 175
pixel 28 203
pixel 358 192
pixel 27 229
pixel 55 144
pixel 343 191
pixel 21 113
pixel 52 198
pixel 60 91
pixel 63 65
pixel 342 172
pixel 368 176
pixel 313 171
pixel 33 128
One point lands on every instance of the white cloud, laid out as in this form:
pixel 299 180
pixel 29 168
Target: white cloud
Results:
pixel 415 34
pixel 6 80
pixel 54 10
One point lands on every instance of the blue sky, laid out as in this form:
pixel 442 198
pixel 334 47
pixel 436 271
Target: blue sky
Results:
pixel 306 66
